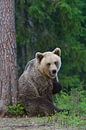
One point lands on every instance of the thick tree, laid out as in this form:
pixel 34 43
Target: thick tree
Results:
pixel 8 65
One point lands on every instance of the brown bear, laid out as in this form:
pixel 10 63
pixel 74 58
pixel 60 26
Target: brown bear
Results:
pixel 39 82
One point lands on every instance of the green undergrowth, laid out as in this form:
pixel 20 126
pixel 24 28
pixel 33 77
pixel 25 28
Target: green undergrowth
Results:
pixel 16 110
pixel 75 102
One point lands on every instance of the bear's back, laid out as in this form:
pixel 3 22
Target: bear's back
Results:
pixel 30 65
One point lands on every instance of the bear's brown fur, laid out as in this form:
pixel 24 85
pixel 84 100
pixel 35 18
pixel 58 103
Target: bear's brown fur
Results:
pixel 36 88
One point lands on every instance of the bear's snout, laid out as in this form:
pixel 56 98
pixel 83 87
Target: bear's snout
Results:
pixel 53 71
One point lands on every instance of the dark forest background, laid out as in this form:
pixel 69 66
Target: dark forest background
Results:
pixel 42 25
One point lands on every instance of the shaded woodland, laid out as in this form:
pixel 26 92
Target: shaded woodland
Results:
pixel 42 25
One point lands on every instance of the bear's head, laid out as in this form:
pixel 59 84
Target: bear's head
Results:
pixel 49 63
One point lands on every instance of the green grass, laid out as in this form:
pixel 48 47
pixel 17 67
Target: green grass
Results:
pixel 75 102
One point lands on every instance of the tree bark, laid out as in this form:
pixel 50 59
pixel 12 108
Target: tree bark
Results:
pixel 8 65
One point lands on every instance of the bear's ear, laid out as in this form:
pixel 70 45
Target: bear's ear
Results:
pixel 39 56
pixel 57 51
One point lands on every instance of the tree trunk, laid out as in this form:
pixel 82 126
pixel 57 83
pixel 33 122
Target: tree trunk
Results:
pixel 8 65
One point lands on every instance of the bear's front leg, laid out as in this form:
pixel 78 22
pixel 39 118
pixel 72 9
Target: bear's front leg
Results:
pixel 56 86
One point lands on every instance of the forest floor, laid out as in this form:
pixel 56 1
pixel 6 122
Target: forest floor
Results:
pixel 31 124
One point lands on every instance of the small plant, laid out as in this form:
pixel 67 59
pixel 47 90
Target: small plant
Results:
pixel 16 110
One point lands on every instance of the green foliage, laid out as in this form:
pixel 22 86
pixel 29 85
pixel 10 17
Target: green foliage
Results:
pixel 16 110
pixel 76 104
pixel 44 25
pixel 71 82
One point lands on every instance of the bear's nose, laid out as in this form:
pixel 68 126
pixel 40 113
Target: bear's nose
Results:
pixel 54 71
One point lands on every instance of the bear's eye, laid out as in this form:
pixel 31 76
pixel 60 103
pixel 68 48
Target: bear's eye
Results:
pixel 48 64
pixel 56 63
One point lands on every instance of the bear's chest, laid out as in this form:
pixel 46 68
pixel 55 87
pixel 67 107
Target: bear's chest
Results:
pixel 38 81
pixel 43 85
